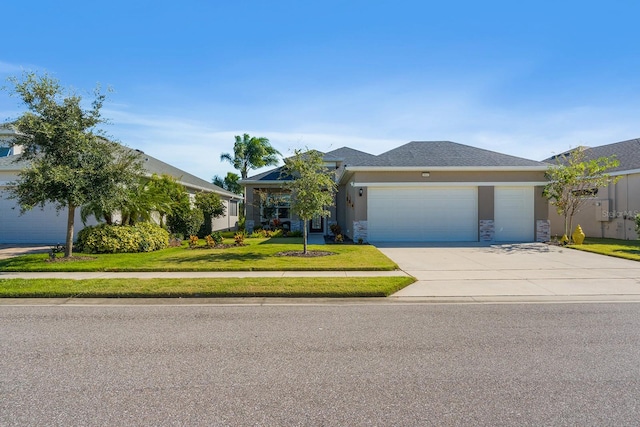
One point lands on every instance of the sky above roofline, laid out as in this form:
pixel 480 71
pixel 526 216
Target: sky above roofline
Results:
pixel 527 80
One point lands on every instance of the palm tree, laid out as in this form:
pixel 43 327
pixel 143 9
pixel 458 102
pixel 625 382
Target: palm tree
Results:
pixel 250 152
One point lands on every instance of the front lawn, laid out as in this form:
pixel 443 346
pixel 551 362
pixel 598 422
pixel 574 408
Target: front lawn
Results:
pixel 227 287
pixel 256 255
pixel 628 249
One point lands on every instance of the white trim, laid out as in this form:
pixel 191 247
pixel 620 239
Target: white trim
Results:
pixel 628 172
pixel 445 168
pixel 449 184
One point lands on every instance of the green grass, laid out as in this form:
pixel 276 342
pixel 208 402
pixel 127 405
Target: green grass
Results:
pixel 257 255
pixel 628 249
pixel 228 287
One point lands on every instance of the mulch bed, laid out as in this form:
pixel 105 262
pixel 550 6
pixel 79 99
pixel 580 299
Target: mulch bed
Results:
pixel 309 254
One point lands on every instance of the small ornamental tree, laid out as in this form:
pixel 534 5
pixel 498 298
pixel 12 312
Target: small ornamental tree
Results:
pixel 312 188
pixel 212 207
pixel 573 179
pixel 71 163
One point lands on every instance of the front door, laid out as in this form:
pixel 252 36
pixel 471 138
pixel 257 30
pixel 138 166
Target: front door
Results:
pixel 316 224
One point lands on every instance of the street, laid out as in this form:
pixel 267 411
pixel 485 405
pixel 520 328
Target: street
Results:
pixel 330 364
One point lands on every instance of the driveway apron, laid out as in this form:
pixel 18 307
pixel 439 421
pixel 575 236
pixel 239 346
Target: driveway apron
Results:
pixel 520 269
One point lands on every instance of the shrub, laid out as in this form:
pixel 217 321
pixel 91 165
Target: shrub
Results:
pixel 193 241
pixel 239 238
pixel 296 233
pixel 213 239
pixel 217 238
pixel 335 229
pixel 185 220
pixel 103 238
pixel 638 224
pixel 339 238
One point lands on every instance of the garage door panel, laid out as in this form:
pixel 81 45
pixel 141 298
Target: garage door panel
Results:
pixel 35 226
pixel 422 214
pixel 514 214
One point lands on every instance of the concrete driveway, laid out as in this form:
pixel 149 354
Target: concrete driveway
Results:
pixel 9 251
pixel 511 270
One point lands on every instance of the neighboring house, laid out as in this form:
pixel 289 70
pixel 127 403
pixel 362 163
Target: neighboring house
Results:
pixel 431 191
pixel 46 226
pixel 610 211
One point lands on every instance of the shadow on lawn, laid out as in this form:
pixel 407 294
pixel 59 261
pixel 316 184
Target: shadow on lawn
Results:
pixel 628 251
pixel 218 256
pixel 282 241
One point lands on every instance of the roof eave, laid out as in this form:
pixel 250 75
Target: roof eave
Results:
pixel 446 168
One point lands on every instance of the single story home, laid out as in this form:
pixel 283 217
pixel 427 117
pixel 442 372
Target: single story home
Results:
pixel 609 211
pixel 47 226
pixel 423 191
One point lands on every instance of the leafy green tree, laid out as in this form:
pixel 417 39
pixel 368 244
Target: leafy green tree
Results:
pixel 212 207
pixel 229 182
pixel 71 162
pixel 312 189
pixel 573 179
pixel 165 194
pixel 250 152
pixel 185 219
pixel 210 204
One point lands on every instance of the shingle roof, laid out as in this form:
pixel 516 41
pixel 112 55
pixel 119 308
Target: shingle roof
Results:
pixel 150 164
pixel 350 156
pixel 448 154
pixel 626 152
pixel 271 175
pixel 419 154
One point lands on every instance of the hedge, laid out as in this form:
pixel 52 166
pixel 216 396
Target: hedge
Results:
pixel 103 238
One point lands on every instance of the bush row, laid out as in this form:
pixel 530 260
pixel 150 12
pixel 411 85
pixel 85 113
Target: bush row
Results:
pixel 103 238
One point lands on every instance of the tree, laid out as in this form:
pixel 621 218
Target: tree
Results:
pixel 312 188
pixel 229 182
pixel 250 152
pixel 211 207
pixel 210 204
pixel 573 179
pixel 71 163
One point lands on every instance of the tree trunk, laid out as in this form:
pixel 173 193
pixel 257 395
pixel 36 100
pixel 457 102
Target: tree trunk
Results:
pixel 304 237
pixel 68 250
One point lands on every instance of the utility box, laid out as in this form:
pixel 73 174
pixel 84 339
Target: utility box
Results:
pixel 603 213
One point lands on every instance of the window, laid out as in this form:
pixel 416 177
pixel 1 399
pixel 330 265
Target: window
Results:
pixel 233 208
pixel 275 205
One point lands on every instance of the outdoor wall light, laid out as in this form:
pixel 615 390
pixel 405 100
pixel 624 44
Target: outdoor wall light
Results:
pixel 425 174
pixel 360 191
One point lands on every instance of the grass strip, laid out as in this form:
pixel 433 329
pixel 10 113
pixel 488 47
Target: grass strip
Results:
pixel 627 249
pixel 220 287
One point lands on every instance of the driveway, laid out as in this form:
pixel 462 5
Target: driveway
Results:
pixel 525 269
pixel 8 251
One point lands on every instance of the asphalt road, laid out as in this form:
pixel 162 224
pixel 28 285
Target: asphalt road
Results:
pixel 515 364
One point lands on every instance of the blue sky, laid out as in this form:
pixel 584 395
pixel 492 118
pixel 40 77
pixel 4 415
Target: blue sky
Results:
pixel 524 78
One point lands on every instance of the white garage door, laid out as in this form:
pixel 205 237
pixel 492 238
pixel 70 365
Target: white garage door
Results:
pixel 432 214
pixel 35 226
pixel 514 214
